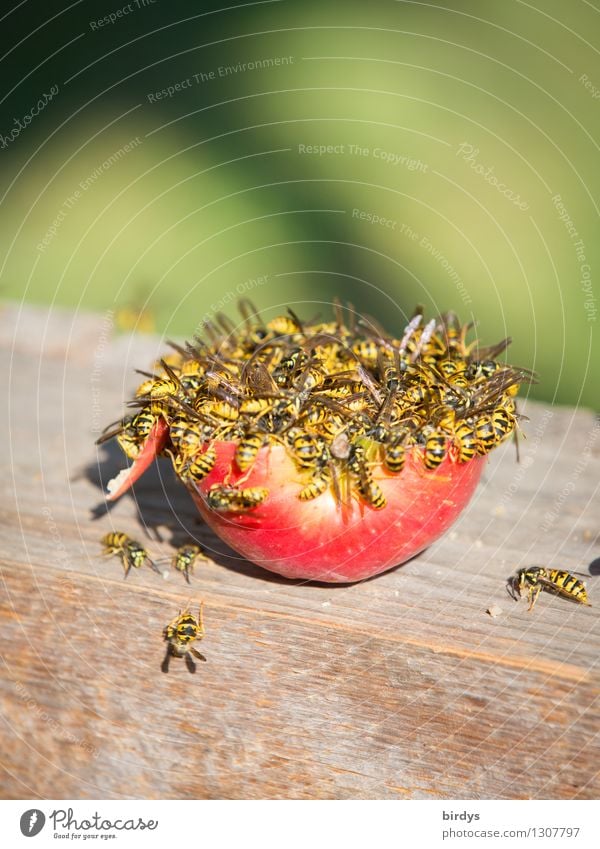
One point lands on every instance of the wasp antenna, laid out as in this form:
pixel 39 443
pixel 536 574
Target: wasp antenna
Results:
pixel 295 318
pixel 176 347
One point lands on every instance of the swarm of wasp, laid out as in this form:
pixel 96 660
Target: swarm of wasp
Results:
pixel 349 404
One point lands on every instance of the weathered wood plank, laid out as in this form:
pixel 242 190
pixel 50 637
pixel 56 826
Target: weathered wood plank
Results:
pixel 400 687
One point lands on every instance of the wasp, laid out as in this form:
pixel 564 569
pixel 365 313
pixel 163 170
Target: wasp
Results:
pixel 285 325
pixel 157 388
pixel 131 552
pixel 319 483
pixel 257 406
pixel 220 409
pixel 414 395
pixel 255 332
pixel 228 499
pixel 392 438
pixel 481 370
pixel 466 442
pixel 493 428
pixel 451 368
pixel 197 467
pixel 256 377
pixel 131 432
pixel 330 351
pixel 537 578
pixel 331 426
pixel 183 631
pixel 247 450
pixel 187 436
pixel 285 413
pixel 394 450
pixel 409 331
pixel 370 491
pixel 320 409
pixel 311 377
pixel 367 351
pixel 455 334
pixel 191 377
pixel 306 448
pixel 289 365
pixel 185 558
pixel 435 443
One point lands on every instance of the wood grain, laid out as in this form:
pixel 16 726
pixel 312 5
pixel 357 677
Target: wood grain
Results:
pixel 399 687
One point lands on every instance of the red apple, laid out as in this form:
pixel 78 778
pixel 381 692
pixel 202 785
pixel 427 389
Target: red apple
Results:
pixel 321 540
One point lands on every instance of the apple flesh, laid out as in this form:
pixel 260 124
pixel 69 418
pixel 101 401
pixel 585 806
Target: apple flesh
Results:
pixel 321 540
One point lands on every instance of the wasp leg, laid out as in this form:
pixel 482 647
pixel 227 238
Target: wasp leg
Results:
pixel 197 654
pixel 511 589
pixel 153 566
pixel 190 663
pixel 533 595
pixel 201 619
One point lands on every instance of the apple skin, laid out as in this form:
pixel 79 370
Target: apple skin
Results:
pixel 320 540
pixel 153 446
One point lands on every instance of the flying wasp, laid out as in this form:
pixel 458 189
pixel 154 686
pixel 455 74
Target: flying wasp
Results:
pixel 131 552
pixel 534 579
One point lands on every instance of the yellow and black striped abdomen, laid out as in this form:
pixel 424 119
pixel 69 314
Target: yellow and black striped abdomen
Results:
pixel 466 441
pixel 568 585
pixel 114 542
pixel 435 450
pixel 247 451
pixel 394 454
pixel 187 628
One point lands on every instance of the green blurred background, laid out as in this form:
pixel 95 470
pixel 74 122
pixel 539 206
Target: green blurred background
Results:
pixel 464 133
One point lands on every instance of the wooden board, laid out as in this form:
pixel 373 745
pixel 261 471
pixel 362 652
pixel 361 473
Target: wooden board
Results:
pixel 399 687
